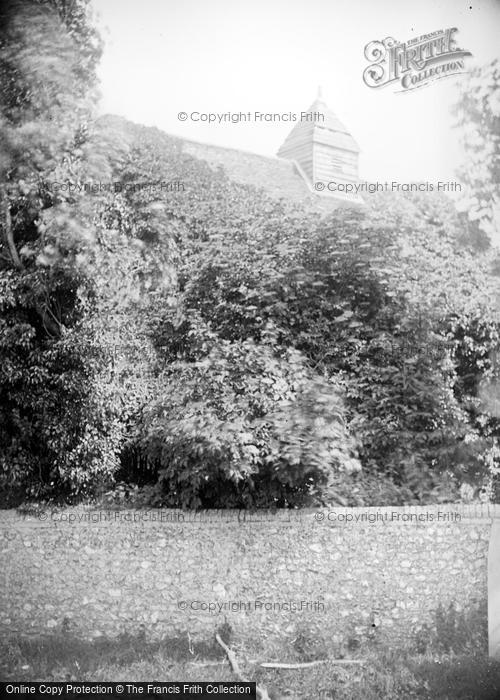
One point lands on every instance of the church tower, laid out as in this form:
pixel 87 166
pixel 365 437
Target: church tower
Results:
pixel 324 152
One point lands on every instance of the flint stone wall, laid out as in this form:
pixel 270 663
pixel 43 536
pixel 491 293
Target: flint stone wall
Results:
pixel 352 572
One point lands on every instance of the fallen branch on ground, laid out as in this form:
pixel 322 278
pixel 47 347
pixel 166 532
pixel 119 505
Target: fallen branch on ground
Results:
pixel 261 692
pixel 308 664
pixel 207 663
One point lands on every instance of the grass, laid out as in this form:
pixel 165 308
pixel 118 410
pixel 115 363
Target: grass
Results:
pixel 387 674
pixel 65 657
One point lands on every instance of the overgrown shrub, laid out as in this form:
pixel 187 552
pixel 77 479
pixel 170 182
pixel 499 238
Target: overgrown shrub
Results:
pixel 246 427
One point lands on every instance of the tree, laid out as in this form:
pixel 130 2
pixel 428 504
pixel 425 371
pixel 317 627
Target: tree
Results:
pixel 478 117
pixel 54 432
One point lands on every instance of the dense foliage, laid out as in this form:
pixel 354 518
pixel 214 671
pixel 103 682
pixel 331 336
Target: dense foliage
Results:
pixel 46 61
pixel 478 116
pixel 346 293
pixel 185 333
pixel 61 420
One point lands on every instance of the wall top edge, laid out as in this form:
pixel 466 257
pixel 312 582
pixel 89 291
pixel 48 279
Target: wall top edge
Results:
pixel 450 512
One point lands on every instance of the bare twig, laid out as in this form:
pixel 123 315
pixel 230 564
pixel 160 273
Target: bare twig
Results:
pixel 312 663
pixel 231 657
pixel 206 663
pixel 261 691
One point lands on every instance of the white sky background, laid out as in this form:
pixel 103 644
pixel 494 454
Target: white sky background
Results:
pixel 164 56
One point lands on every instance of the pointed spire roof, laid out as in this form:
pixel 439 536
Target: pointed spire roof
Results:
pixel 329 130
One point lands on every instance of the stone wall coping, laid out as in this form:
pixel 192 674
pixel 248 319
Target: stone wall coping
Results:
pixel 459 513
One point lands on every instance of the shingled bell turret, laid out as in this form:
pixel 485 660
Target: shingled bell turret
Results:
pixel 324 152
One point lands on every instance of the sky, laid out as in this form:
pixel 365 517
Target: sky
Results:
pixel 163 57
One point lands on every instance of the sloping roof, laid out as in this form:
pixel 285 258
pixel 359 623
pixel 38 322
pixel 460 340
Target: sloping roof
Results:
pixel 342 136
pixel 278 177
pixel 330 131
